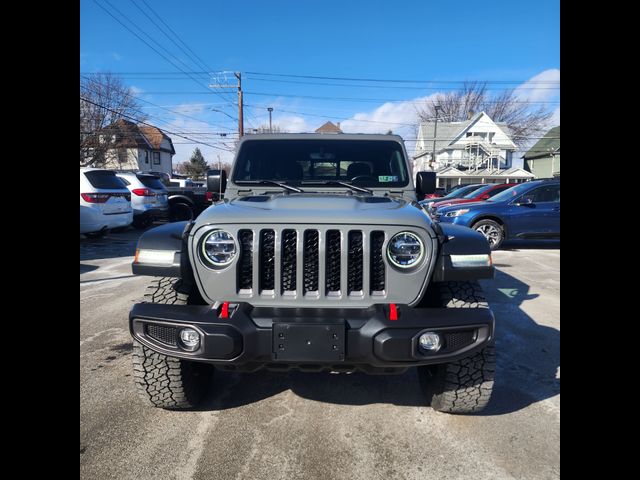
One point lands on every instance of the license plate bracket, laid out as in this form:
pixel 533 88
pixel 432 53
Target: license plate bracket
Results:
pixel 308 342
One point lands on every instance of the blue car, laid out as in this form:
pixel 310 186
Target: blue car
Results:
pixel 528 210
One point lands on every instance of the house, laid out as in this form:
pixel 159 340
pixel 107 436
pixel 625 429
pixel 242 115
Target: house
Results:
pixel 136 147
pixel 477 150
pixel 329 127
pixel 543 159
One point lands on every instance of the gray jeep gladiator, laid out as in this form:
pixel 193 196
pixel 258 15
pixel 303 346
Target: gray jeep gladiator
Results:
pixel 319 258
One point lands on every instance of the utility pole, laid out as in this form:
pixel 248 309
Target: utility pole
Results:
pixel 270 110
pixel 238 75
pixel 240 105
pixel 435 133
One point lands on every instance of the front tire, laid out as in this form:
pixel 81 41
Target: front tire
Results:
pixel 492 231
pixel 463 386
pixel 164 381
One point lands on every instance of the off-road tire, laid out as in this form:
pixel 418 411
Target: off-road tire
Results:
pixel 493 226
pixel 463 386
pixel 163 381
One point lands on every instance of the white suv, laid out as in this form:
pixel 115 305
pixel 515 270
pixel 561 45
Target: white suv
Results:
pixel 148 197
pixel 105 202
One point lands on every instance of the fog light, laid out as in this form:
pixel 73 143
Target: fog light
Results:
pixel 190 339
pixel 429 342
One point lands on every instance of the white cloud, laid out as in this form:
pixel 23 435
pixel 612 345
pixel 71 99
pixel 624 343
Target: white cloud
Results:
pixel 292 123
pixel 136 91
pixel 555 118
pixel 116 56
pixel 542 87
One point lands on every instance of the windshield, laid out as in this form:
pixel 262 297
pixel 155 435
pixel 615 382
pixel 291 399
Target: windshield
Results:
pixel 460 192
pixel 478 191
pixel 511 193
pixel 370 163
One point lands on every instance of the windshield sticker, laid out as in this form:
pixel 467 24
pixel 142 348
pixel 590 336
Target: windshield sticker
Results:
pixel 387 178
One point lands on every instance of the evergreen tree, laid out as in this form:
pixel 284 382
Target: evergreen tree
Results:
pixel 197 166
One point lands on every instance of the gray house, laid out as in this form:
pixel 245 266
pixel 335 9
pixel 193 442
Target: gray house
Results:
pixel 543 159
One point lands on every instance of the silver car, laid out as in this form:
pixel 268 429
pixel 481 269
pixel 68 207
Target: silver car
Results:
pixel 148 197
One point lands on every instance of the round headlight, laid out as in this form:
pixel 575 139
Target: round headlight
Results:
pixel 405 249
pixel 219 248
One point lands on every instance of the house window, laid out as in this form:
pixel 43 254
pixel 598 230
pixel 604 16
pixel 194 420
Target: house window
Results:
pixel 146 157
pixel 156 158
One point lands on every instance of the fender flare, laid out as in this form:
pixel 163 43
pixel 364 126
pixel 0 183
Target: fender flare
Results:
pixel 162 251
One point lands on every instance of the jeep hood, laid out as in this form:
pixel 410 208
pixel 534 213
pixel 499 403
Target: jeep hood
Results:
pixel 306 208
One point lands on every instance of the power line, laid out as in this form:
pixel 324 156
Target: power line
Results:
pixel 208 91
pixel 164 108
pixel 317 77
pixel 148 124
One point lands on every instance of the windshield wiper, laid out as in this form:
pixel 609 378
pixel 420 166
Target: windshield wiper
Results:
pixel 271 182
pixel 337 182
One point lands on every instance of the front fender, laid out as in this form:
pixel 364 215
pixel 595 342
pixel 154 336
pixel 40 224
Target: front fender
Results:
pixel 161 251
pixel 462 245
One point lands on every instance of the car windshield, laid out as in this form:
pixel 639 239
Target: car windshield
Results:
pixel 460 192
pixel 510 193
pixel 369 163
pixel 478 191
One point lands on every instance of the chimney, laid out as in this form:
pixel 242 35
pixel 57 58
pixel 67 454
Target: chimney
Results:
pixel 338 125
pixel 470 114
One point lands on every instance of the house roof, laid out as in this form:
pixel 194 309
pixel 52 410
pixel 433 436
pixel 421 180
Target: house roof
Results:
pixel 130 135
pixel 448 132
pixel 516 172
pixel 548 144
pixel 328 127
pixel 155 136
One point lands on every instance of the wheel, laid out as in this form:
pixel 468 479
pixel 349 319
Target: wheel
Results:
pixel 179 212
pixel 463 386
pixel 492 230
pixel 141 223
pixel 163 381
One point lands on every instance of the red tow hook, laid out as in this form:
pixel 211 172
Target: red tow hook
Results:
pixel 224 311
pixel 393 311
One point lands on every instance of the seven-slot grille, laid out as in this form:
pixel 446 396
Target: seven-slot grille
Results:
pixel 311 262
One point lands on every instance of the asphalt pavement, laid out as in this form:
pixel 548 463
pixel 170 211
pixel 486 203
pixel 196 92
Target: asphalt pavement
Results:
pixel 296 425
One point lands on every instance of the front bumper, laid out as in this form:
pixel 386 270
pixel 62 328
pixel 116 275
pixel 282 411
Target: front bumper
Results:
pixel 343 339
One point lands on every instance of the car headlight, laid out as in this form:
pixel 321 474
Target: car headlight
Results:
pixel 405 249
pixel 456 213
pixel 219 248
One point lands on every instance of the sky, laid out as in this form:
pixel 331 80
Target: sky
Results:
pixel 170 53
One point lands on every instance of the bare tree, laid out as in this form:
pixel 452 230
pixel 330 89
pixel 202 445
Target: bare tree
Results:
pixel 523 120
pixel 104 98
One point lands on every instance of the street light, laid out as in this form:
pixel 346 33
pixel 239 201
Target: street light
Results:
pixel 435 132
pixel 270 109
pixel 225 113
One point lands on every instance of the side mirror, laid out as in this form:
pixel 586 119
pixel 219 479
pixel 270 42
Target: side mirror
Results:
pixel 425 184
pixel 485 197
pixel 216 181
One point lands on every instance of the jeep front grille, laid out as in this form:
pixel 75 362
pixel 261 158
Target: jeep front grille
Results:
pixel 311 262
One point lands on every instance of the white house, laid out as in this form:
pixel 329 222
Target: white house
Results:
pixel 477 150
pixel 137 147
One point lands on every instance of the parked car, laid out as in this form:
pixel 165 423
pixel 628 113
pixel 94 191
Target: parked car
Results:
pixel 105 202
pixel 528 210
pixel 186 199
pixel 458 193
pixel 483 193
pixel 149 198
